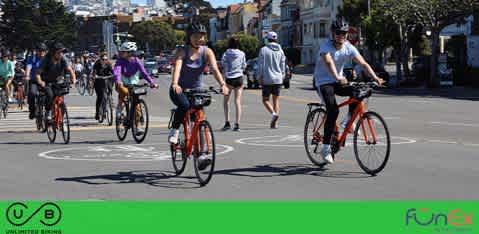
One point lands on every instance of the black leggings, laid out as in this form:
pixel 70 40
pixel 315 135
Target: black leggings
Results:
pixel 100 89
pixel 183 105
pixel 327 93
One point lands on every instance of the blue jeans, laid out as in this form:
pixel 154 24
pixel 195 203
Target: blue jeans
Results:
pixel 182 104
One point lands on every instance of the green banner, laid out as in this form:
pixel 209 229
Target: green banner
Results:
pixel 70 217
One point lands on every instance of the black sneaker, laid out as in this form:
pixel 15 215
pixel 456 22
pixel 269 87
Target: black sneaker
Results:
pixel 226 127
pixel 237 128
pixel 97 116
pixel 274 122
pixel 31 115
pixel 203 162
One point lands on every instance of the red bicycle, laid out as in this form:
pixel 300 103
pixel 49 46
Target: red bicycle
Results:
pixel 196 137
pixel 371 140
pixel 60 120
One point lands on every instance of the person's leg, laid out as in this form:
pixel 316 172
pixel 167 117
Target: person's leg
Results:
pixel 9 90
pixel 226 100
pixel 32 94
pixel 238 94
pixel 266 102
pixel 182 104
pixel 49 100
pixel 327 94
pixel 100 91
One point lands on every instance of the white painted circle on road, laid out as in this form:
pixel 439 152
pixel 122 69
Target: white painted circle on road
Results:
pixel 119 153
pixel 298 141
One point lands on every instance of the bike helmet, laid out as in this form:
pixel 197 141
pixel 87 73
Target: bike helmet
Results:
pixel 41 47
pixel 197 28
pixel 56 47
pixel 128 47
pixel 340 24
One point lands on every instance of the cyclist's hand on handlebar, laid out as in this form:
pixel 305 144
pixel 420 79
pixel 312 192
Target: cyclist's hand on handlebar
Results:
pixel 380 81
pixel 154 86
pixel 177 89
pixel 42 83
pixel 342 81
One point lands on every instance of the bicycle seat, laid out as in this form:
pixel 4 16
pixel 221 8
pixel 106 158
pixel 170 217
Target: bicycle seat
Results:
pixel 315 104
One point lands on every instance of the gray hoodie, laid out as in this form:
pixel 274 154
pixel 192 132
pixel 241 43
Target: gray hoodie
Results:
pixel 271 64
pixel 233 63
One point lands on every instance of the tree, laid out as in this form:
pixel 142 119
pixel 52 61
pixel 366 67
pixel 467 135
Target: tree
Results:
pixel 155 35
pixel 248 44
pixel 25 22
pixel 180 37
pixel 435 15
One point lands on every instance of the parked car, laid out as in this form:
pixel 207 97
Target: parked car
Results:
pixel 151 67
pixel 164 66
pixel 251 73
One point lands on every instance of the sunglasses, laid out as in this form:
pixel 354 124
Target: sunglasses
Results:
pixel 339 32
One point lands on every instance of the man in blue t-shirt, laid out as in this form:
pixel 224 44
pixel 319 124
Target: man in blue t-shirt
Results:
pixel 33 63
pixel 328 76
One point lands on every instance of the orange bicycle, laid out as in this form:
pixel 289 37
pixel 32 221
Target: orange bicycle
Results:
pixel 371 140
pixel 60 120
pixel 196 136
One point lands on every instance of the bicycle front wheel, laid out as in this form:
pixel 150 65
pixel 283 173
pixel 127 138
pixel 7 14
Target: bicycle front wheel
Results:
pixel 178 152
pixel 122 123
pixel 372 143
pixel 205 153
pixel 65 125
pixel 313 136
pixel 51 130
pixel 90 88
pixel 81 86
pixel 141 121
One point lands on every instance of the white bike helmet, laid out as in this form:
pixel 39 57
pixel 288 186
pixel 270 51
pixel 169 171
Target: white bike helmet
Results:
pixel 128 47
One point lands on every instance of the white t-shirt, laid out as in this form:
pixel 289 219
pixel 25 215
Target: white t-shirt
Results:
pixel 340 57
pixel 78 67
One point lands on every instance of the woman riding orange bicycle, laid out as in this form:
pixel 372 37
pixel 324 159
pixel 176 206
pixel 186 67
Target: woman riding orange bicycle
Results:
pixel 329 80
pixel 188 73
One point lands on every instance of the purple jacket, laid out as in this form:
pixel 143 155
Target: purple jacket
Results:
pixel 129 68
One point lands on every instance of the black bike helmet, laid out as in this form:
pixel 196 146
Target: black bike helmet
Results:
pixel 57 46
pixel 41 47
pixel 340 24
pixel 197 28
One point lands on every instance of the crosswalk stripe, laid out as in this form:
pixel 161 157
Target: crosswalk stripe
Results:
pixel 81 117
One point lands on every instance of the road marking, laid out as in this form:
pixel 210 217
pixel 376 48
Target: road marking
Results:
pixel 455 124
pixel 441 141
pixel 118 153
pixel 298 141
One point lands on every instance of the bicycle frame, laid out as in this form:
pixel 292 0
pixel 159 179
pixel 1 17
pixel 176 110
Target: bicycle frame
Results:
pixel 192 139
pixel 357 113
pixel 57 113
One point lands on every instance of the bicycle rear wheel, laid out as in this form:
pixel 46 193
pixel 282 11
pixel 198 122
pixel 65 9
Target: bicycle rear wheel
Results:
pixel 101 111
pixel 65 125
pixel 178 152
pixel 372 143
pixel 141 120
pixel 204 148
pixel 39 116
pixel 122 122
pixel 313 136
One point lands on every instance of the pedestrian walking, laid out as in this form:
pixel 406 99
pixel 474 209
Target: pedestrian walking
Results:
pixel 271 72
pixel 233 63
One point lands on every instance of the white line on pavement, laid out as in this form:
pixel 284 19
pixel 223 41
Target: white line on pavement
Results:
pixel 455 124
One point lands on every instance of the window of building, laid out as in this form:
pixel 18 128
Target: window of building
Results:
pixel 322 29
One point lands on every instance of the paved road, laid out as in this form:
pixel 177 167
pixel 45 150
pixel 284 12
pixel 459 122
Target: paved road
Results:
pixel 434 154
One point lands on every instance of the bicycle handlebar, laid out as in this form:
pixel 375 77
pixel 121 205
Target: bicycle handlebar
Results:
pixel 373 84
pixel 211 89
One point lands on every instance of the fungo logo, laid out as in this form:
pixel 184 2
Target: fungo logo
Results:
pixel 425 217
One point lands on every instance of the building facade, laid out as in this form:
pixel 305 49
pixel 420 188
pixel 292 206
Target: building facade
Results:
pixel 316 17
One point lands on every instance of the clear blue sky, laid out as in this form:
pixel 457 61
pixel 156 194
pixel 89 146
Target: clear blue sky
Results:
pixel 215 3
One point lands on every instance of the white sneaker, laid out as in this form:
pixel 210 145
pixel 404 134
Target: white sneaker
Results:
pixel 10 100
pixel 173 136
pixel 326 153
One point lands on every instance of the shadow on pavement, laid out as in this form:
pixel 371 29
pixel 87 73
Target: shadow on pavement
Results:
pixel 164 179
pixel 59 142
pixel 273 170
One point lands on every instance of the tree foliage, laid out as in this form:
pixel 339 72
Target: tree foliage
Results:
pixel 26 22
pixel 158 35
pixel 248 44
